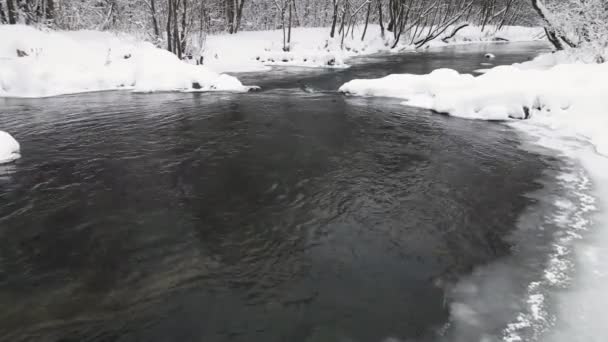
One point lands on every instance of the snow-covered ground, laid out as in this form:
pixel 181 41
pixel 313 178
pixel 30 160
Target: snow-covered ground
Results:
pixel 35 63
pixel 9 148
pixel 312 47
pixel 564 99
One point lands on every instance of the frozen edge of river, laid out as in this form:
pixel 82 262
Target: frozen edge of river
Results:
pixel 576 275
pixel 551 288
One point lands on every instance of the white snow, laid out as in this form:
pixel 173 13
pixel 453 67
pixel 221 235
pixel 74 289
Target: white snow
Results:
pixel 312 47
pixel 568 97
pixel 61 62
pixel 9 148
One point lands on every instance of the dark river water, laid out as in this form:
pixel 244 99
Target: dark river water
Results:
pixel 291 214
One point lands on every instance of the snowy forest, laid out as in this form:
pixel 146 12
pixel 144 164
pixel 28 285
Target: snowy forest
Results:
pixel 175 23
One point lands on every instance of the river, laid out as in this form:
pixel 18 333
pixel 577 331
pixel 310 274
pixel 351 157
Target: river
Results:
pixel 289 214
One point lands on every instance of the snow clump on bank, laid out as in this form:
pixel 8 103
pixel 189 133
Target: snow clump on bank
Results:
pixel 37 63
pixel 570 97
pixel 9 148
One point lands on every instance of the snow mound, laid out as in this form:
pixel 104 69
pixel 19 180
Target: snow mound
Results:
pixel 9 148
pixel 568 97
pixel 36 63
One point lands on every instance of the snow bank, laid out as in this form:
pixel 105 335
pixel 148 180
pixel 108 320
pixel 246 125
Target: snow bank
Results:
pixel 312 47
pixel 9 148
pixel 569 97
pixel 474 34
pixel 569 56
pixel 35 63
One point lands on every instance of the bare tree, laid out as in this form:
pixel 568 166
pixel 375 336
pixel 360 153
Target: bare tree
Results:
pixel 155 26
pixel 234 11
pixel 3 19
pixel 282 6
pixel 12 13
pixel 369 8
pixel 334 18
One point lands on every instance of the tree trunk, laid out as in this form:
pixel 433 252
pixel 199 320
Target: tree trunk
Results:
pixel 12 14
pixel 282 9
pixel 334 19
pixel 391 16
pixel 369 7
pixel 154 21
pixel 183 34
pixel 231 9
pixel 342 20
pixel 234 11
pixel 549 29
pixel 169 10
pixel 239 14
pixel 176 43
pixel 380 19
pixel 50 10
pixel 2 15
pixel 289 28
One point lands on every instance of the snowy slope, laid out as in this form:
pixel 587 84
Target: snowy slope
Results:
pixel 54 63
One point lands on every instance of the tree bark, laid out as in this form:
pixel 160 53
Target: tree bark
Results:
pixel 183 34
pixel 380 19
pixel 549 29
pixel 12 14
pixel 154 21
pixel 239 14
pixel 50 10
pixel 169 10
pixel 176 43
pixel 2 15
pixel 334 19
pixel 234 11
pixel 289 29
pixel 391 15
pixel 369 7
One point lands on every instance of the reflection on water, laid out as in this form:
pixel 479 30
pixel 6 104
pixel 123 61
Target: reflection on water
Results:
pixel 6 170
pixel 277 216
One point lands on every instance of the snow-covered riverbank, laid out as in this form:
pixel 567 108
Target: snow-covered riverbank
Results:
pixel 566 97
pixel 35 63
pixel 312 47
pixel 564 101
